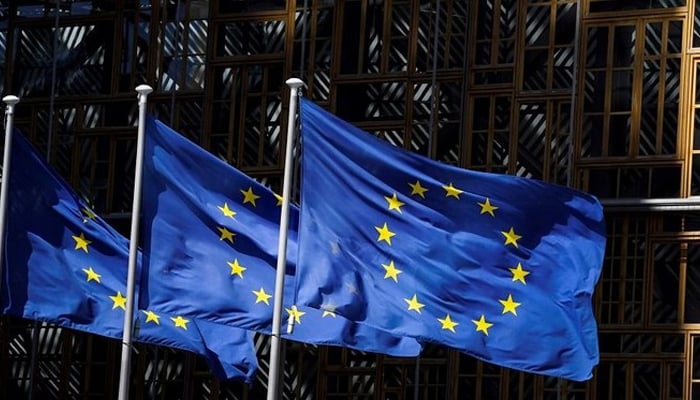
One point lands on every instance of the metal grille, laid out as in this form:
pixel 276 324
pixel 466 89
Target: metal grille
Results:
pixel 535 135
pixel 602 6
pixel 494 43
pixel 183 55
pixel 549 53
pixel 489 144
pixel 666 278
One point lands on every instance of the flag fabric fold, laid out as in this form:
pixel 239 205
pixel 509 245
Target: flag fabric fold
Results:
pixel 230 352
pixel 500 267
pixel 63 264
pixel 210 245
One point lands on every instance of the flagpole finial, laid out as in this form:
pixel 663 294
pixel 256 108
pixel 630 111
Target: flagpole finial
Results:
pixel 295 83
pixel 144 89
pixel 10 100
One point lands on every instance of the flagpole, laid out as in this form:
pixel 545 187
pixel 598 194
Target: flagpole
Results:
pixel 295 85
pixel 5 188
pixel 143 91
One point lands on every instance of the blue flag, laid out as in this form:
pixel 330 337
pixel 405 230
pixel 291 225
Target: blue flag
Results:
pixel 65 265
pixel 500 267
pixel 210 246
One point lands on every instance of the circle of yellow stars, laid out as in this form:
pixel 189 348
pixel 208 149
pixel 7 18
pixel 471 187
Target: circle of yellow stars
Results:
pixel 391 272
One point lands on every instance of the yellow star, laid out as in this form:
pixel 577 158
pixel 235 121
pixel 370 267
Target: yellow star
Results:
pixel 249 196
pixel 151 317
pixel 482 325
pixel 180 322
pixel 519 273
pixel 487 207
pixel 509 305
pixel 226 234
pixel 413 304
pixel 92 275
pixel 81 242
pixel 261 296
pixel 236 268
pixel 511 237
pixel 295 313
pixel 227 211
pixel 328 309
pixel 417 189
pixel 448 323
pixel 89 214
pixel 452 191
pixel 119 301
pixel 384 234
pixel 391 271
pixel 279 199
pixel 394 203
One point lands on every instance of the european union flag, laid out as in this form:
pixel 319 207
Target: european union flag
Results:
pixel 210 246
pixel 65 265
pixel 500 267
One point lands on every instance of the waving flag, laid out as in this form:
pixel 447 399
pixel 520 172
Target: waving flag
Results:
pixel 500 267
pixel 65 265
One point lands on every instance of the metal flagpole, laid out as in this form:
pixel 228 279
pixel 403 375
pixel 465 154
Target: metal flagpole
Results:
pixel 143 91
pixel 5 188
pixel 273 385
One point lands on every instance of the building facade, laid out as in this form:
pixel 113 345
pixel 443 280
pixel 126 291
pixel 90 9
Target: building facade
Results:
pixel 601 95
